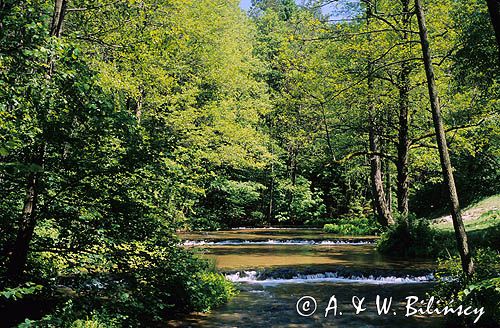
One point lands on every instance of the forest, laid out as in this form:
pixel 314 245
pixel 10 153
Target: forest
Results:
pixel 129 126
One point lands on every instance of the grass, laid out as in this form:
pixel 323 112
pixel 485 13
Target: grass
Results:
pixel 417 237
pixel 484 214
pixel 486 220
pixel 481 221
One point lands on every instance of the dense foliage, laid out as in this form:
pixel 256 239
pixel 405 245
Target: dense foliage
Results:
pixel 123 122
pixel 482 290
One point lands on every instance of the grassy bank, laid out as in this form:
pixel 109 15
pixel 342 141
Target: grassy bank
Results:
pixel 435 238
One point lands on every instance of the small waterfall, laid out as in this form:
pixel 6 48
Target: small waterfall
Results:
pixel 257 278
pixel 237 242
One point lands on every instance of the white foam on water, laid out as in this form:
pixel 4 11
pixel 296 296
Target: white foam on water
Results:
pixel 276 242
pixel 252 277
pixel 275 228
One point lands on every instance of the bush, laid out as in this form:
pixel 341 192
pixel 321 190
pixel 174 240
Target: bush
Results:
pixel 211 290
pixel 412 237
pixel 353 226
pixel 146 283
pixel 67 317
pixel 485 293
pixel 481 290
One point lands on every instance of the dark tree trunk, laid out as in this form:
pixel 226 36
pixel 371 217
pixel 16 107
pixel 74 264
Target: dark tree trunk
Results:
pixel 403 142
pixel 58 18
pixel 404 105
pixel 19 252
pixel 458 224
pixel 384 216
pixel 388 185
pixel 386 169
pixel 494 9
pixel 293 165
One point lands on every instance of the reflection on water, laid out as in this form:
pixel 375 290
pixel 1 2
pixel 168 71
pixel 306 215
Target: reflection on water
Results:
pixel 273 276
pixel 306 257
pixel 237 242
pixel 274 306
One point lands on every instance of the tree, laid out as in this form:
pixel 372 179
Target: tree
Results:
pixel 19 251
pixel 383 213
pixel 460 234
pixel 494 9
pixel 403 85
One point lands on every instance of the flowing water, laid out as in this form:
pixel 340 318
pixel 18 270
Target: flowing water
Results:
pixel 275 268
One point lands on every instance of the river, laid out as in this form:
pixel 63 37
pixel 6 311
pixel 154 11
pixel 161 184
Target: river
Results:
pixel 275 268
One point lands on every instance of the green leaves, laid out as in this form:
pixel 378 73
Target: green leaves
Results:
pixel 19 292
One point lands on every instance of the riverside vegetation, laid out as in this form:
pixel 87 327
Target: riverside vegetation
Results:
pixel 124 122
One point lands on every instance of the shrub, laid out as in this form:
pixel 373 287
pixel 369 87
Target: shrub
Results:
pixel 353 226
pixel 67 316
pixel 211 290
pixel 481 290
pixel 146 283
pixel 412 237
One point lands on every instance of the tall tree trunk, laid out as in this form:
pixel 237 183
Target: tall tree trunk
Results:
pixel 461 236
pixel 404 105
pixel 19 253
pixel 403 142
pixel 384 216
pixel 494 9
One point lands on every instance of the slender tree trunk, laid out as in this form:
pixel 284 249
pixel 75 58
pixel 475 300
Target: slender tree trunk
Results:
pixel 384 216
pixel 404 105
pixel 494 9
pixel 458 224
pixel 388 185
pixel 292 153
pixel 403 141
pixel 271 187
pixel 327 133
pixel 19 253
pixel 58 17
pixel 293 164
